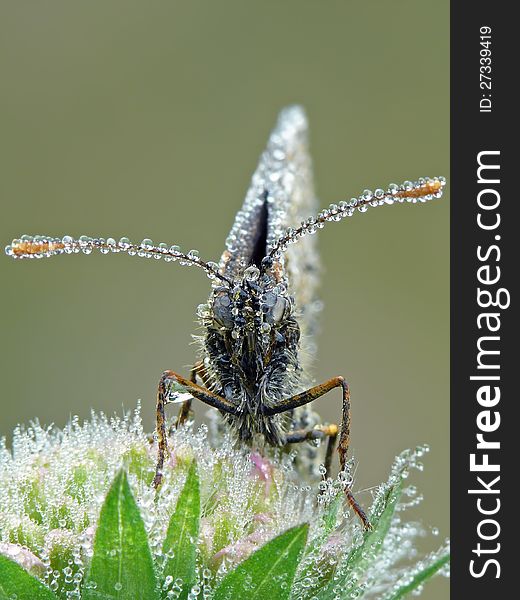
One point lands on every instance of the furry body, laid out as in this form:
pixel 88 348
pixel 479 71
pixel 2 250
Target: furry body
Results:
pixel 251 349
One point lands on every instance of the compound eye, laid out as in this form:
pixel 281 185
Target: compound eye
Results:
pixel 222 310
pixel 277 308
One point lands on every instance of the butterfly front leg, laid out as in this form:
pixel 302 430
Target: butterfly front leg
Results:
pixel 344 433
pixel 164 389
pixel 185 411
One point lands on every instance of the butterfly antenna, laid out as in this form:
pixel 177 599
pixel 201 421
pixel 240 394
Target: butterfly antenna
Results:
pixel 44 247
pixel 422 190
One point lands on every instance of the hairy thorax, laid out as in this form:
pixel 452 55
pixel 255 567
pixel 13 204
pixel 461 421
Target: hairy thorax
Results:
pixel 254 376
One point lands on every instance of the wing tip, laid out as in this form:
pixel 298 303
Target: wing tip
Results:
pixel 294 115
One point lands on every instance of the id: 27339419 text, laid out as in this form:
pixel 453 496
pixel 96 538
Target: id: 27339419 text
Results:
pixel 486 81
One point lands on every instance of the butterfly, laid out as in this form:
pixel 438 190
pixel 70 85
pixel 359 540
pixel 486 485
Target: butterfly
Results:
pixel 262 307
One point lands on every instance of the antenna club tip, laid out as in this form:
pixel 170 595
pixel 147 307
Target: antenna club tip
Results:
pixel 422 188
pixel 27 247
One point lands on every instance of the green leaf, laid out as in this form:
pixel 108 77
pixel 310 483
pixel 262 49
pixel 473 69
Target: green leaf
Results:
pixel 360 557
pixel 420 578
pixel 182 534
pixel 315 564
pixel 122 566
pixel 269 572
pixel 330 515
pixel 15 582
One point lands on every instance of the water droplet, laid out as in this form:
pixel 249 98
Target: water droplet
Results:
pixel 265 328
pixel 252 273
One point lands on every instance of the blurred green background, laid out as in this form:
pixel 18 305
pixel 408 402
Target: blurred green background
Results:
pixel 146 119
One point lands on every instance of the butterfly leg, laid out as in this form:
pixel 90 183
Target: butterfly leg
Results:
pixel 344 434
pixel 168 379
pixel 185 411
pixel 330 432
pixel 160 429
